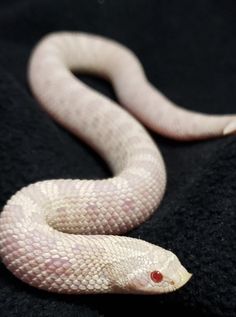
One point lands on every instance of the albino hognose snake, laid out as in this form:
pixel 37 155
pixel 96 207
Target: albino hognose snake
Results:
pixel 62 235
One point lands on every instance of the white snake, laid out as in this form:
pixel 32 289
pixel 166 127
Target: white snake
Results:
pixel 62 235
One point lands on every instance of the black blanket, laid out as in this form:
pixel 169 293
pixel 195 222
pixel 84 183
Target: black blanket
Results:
pixel 188 51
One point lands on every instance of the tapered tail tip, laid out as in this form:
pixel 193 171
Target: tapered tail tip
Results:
pixel 230 128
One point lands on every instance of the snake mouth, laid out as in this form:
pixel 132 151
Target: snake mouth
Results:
pixel 169 286
pixel 185 276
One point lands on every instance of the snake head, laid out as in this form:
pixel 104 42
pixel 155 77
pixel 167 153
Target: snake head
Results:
pixel 153 271
pixel 160 271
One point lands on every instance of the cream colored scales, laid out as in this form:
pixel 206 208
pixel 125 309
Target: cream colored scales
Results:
pixel 62 235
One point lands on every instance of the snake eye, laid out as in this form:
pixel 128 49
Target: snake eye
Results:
pixel 156 276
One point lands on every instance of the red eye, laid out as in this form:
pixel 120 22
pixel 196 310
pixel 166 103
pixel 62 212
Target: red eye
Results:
pixel 156 276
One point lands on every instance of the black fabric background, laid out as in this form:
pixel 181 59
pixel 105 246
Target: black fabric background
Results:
pixel 188 50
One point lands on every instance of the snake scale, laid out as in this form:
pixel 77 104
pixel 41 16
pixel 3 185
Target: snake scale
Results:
pixel 64 235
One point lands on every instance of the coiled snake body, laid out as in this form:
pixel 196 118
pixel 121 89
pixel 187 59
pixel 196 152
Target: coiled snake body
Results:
pixel 62 235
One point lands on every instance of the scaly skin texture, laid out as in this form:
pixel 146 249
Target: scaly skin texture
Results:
pixel 62 235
